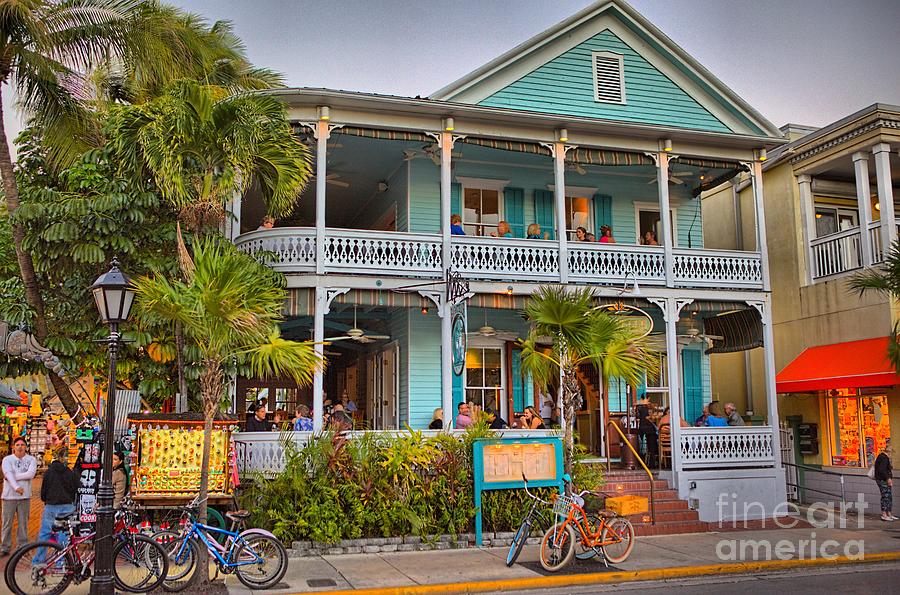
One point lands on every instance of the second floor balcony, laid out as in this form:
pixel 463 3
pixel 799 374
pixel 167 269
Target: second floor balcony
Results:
pixel 419 255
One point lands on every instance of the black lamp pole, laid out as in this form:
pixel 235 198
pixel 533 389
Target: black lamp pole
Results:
pixel 113 295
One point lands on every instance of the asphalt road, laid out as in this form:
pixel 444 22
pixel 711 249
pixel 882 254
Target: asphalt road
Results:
pixel 864 579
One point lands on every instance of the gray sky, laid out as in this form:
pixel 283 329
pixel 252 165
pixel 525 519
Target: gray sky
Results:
pixel 800 61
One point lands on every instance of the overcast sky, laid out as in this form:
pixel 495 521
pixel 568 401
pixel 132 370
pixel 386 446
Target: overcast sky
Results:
pixel 800 61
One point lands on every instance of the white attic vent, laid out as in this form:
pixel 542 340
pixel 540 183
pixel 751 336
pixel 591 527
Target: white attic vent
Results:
pixel 609 77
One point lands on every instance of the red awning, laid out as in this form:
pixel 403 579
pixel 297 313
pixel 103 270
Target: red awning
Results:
pixel 855 364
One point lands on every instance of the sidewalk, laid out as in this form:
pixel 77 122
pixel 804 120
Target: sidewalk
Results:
pixel 653 558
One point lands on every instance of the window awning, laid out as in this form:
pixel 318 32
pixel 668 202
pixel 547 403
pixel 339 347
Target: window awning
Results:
pixel 854 364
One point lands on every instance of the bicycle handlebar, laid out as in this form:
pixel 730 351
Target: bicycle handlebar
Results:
pixel 530 495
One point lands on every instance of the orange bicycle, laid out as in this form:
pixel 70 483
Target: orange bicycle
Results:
pixel 604 534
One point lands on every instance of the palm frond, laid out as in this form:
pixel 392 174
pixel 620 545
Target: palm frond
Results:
pixel 277 357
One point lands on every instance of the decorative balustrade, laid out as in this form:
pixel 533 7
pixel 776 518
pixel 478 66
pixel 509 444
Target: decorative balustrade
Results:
pixel 505 259
pixel 614 262
pixel 389 253
pixel 836 253
pixel 875 242
pixel 368 252
pixel 718 448
pixel 717 268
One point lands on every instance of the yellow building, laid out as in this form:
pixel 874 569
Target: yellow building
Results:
pixel 830 213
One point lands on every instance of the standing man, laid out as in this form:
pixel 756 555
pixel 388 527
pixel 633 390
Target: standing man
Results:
pixel 18 471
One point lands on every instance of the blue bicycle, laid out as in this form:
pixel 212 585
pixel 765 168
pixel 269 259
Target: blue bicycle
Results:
pixel 254 555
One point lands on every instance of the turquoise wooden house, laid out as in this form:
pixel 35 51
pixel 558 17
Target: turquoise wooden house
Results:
pixel 599 123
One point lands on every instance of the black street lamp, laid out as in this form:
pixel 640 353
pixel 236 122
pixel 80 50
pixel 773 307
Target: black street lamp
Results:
pixel 114 296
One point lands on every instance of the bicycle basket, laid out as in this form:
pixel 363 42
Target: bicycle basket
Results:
pixel 562 505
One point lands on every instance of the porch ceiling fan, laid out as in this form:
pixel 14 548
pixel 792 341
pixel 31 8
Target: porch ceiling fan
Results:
pixel 489 331
pixel 674 177
pixel 358 335
pixel 334 180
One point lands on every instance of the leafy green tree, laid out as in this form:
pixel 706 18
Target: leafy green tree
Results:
pixel 579 333
pixel 229 306
pixel 884 280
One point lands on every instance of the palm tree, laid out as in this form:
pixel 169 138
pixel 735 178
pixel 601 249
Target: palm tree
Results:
pixel 578 333
pixel 884 280
pixel 48 52
pixel 229 306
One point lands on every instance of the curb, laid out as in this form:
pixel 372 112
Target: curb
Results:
pixel 597 578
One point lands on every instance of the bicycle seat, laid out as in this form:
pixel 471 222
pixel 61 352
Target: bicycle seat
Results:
pixel 67 516
pixel 238 515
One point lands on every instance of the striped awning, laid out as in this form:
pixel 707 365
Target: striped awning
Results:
pixel 606 157
pixel 301 302
pixel 383 134
pixel 506 145
pixel 707 163
pixel 742 330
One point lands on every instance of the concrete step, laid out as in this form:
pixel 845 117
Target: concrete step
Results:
pixel 634 485
pixel 671 528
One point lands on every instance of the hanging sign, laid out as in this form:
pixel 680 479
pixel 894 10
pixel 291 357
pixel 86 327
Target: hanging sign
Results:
pixel 458 337
pixel 631 317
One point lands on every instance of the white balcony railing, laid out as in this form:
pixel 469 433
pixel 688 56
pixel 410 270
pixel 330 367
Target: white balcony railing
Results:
pixel 875 241
pixel 715 268
pixel 722 448
pixel 836 253
pixel 355 251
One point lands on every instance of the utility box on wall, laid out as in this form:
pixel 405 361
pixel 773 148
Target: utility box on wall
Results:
pixel 809 438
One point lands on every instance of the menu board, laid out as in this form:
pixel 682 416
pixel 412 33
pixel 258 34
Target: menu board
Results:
pixel 507 462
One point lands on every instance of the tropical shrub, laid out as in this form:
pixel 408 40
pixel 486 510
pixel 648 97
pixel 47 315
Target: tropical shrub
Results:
pixel 380 485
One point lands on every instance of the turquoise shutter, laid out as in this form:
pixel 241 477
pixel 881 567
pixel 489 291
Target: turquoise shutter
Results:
pixel 514 205
pixel 458 392
pixel 602 212
pixel 693 384
pixel 456 199
pixel 543 211
pixel 518 382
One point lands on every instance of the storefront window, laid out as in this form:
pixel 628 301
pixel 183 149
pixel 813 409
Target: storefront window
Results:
pixel 860 427
pixel 484 378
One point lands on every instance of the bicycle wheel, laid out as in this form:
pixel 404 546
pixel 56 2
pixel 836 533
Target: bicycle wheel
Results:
pixel 557 547
pixel 182 560
pixel 518 542
pixel 620 532
pixel 50 576
pixel 263 561
pixel 140 564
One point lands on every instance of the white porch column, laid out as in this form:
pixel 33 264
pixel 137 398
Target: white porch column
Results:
pixel 233 217
pixel 318 338
pixel 559 179
pixel 882 153
pixel 446 182
pixel 447 364
pixel 322 134
pixel 863 194
pixel 809 224
pixel 665 218
pixel 756 180
pixel 444 310
pixel 765 312
pixel 671 312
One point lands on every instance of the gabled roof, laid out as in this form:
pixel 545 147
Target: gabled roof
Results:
pixel 708 90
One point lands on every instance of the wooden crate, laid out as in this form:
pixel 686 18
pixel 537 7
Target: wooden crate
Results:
pixel 626 505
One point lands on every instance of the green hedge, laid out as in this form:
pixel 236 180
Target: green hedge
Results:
pixel 377 485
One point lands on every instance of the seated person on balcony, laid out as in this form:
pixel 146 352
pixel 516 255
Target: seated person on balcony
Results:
pixel 665 420
pixel 503 231
pixel 303 422
pixel 606 236
pixel 581 234
pixel 258 422
pixel 716 418
pixel 456 225
pixel 463 419
pixel 437 419
pixel 534 232
pixel 339 421
pixel 649 238
pixel 267 223
pixel 701 421
pixel 732 416
pixel 647 430
pixel 530 420
pixel 494 421
pixel 349 406
pixel 590 237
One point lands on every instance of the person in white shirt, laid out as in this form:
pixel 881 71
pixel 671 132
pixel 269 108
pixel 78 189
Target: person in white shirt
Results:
pixel 546 401
pixel 18 471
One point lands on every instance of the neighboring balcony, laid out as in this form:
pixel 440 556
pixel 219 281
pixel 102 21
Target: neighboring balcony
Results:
pixel 838 253
pixel 367 252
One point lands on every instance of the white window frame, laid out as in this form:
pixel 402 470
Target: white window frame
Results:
pixel 621 60
pixel 498 345
pixel 838 211
pixel 587 192
pixel 481 184
pixel 654 206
